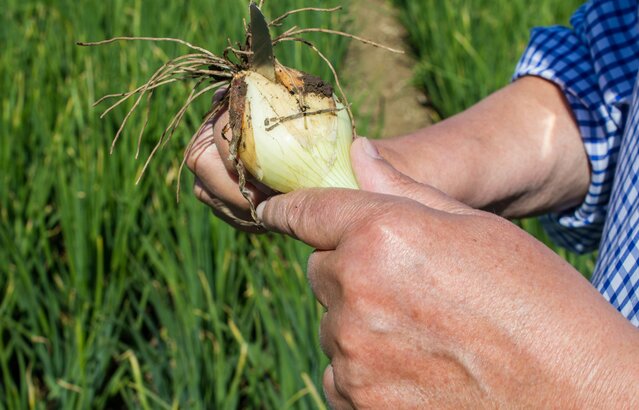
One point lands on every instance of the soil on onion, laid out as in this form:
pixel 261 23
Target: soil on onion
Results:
pixel 313 84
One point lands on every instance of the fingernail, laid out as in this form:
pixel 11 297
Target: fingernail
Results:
pixel 260 210
pixel 370 149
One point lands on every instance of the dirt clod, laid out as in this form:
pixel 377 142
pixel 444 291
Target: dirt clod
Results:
pixel 316 85
pixel 236 104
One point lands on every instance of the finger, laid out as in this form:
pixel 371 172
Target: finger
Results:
pixel 207 164
pixel 321 276
pixel 335 399
pixel 322 218
pixel 375 174
pixel 326 339
pixel 235 217
pixel 222 136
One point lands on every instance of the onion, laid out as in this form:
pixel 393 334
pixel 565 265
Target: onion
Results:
pixel 288 133
pixel 285 146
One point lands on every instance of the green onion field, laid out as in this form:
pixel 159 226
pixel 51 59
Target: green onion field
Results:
pixel 114 295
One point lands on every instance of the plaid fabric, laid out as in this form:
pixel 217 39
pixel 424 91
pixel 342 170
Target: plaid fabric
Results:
pixel 596 64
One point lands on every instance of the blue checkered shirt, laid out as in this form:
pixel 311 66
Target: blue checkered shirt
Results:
pixel 596 64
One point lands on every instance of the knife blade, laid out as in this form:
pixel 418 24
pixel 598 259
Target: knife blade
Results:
pixel 262 60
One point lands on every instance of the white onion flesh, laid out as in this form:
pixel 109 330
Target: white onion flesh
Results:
pixel 305 152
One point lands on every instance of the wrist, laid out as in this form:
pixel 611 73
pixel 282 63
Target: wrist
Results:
pixel 518 152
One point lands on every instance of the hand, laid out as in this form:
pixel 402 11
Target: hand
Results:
pixel 216 182
pixel 433 304
pixel 515 159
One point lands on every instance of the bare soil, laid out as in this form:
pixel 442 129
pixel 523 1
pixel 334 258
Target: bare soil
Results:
pixel 380 81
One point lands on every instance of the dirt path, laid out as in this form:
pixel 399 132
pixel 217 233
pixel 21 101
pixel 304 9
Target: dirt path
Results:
pixel 378 80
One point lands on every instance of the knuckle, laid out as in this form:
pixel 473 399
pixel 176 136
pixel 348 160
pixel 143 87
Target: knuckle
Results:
pixel 352 282
pixel 350 382
pixel 402 182
pixel 353 289
pixel 327 380
pixel 362 399
pixel 203 148
pixel 312 267
pixel 190 161
pixel 296 216
pixel 342 268
pixel 333 391
pixel 199 193
pixel 325 336
pixel 381 230
pixel 320 277
pixel 348 341
pixel 192 157
pixel 337 380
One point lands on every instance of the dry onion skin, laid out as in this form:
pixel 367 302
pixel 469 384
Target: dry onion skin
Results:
pixel 287 134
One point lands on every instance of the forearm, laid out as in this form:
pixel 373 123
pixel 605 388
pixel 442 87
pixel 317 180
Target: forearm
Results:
pixel 517 152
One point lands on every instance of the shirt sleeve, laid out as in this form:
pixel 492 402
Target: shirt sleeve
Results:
pixel 589 64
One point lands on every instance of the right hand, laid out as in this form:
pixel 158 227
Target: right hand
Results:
pixel 430 303
pixel 216 181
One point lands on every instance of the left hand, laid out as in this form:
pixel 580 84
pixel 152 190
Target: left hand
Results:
pixel 433 304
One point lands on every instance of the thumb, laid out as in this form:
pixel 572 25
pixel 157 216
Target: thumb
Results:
pixel 324 217
pixel 375 174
